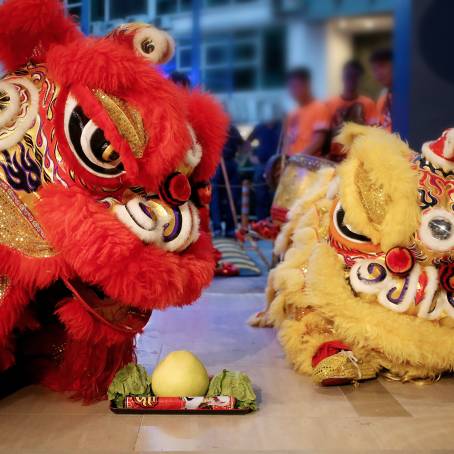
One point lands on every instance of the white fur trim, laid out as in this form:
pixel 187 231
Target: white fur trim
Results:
pixel 147 229
pixel 14 103
pixel 431 288
pixel 436 160
pixel 425 234
pixel 333 188
pixel 194 154
pixel 409 296
pixel 364 286
pixel 448 147
pixel 183 240
pixel 26 114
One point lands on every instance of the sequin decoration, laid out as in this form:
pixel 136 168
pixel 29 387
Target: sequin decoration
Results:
pixel 127 120
pixel 19 230
pixel 372 196
pixel 4 284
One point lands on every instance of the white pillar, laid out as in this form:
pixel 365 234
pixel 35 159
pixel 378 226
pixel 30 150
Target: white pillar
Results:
pixel 339 49
pixel 306 46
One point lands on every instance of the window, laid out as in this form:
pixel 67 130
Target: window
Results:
pixel 217 2
pixel 122 8
pixel 75 12
pixel 245 78
pixel 244 52
pixel 97 10
pixel 218 80
pixel 185 5
pixel 238 61
pixel 217 54
pixel 74 8
pixel 173 6
pixel 185 58
pixel 225 2
pixel 273 68
pixel 166 7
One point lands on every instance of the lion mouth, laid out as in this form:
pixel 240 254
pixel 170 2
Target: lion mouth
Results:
pixel 172 228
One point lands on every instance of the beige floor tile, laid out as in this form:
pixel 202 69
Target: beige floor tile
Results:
pixel 39 400
pixel 255 432
pixel 55 433
pixel 371 398
pixel 419 434
pixel 430 400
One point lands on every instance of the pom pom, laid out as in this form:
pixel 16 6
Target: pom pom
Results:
pixel 399 260
pixel 176 189
pixel 202 194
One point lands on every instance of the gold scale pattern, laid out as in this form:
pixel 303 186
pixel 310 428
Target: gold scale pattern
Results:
pixel 372 195
pixel 18 232
pixel 127 120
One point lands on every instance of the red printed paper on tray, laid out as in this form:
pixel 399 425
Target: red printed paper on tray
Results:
pixel 180 403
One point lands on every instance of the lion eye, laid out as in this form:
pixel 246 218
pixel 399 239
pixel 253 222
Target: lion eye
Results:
pixel 147 46
pixel 154 45
pixel 437 229
pixel 88 143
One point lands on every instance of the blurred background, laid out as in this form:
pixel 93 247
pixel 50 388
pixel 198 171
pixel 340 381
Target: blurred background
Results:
pixel 243 48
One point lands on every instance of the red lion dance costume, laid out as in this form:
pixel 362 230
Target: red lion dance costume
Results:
pixel 103 187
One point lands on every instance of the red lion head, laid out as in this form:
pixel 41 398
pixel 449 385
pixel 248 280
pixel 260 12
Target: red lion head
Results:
pixel 104 175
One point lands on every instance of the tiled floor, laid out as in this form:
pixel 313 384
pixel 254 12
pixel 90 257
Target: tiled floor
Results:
pixel 294 415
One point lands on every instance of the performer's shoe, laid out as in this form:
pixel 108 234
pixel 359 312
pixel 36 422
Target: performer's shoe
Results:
pixel 342 369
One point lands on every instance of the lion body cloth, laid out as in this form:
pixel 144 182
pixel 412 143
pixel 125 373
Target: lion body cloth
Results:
pixel 104 170
pixel 367 278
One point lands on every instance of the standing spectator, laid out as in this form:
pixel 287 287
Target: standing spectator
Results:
pixel 266 135
pixel 382 67
pixel 349 106
pixel 308 125
pixel 220 207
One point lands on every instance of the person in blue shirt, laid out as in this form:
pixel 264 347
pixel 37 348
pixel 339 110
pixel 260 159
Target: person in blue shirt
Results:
pixel 264 140
pixel 220 207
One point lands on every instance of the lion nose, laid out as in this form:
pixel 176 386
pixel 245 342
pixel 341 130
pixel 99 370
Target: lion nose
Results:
pixel 176 189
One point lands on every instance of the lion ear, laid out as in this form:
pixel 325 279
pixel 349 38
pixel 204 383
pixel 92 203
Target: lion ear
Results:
pixel 350 132
pixel 378 186
pixel 28 28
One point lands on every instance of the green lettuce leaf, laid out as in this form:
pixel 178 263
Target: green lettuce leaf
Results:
pixel 132 380
pixel 235 384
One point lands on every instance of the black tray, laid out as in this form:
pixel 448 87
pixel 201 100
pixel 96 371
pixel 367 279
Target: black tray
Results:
pixel 134 411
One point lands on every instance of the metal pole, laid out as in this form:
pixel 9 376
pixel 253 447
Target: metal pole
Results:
pixel 228 188
pixel 85 17
pixel 196 42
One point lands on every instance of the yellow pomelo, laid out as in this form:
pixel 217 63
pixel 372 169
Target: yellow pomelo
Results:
pixel 180 374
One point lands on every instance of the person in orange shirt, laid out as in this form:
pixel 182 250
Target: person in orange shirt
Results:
pixel 349 106
pixel 382 67
pixel 307 126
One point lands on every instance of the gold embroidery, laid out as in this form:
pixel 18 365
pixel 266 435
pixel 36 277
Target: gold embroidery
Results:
pixel 18 229
pixel 4 284
pixel 127 120
pixel 372 195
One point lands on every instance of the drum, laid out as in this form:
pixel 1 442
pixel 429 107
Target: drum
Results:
pixel 291 184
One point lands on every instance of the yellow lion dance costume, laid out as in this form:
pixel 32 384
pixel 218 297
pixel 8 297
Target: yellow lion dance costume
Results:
pixel 367 281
